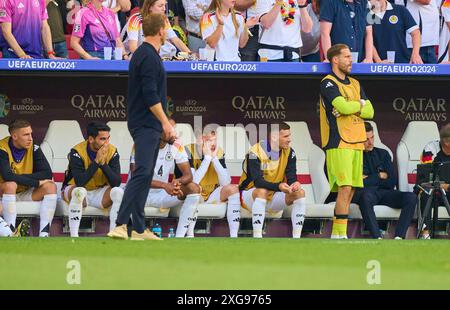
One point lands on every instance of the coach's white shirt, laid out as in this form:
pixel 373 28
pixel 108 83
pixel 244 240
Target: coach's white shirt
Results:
pixel 428 15
pixel 279 33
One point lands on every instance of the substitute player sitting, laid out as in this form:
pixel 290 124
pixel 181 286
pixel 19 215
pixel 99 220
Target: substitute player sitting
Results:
pixel 208 166
pixel 25 175
pixel 179 192
pixel 93 177
pixel 269 180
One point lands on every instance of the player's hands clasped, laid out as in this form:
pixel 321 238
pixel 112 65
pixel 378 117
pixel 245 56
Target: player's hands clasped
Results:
pixel 102 153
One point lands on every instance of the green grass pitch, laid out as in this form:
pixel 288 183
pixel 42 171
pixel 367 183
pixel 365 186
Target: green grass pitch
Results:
pixel 222 263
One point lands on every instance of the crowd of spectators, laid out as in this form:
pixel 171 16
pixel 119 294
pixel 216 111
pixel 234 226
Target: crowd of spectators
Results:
pixel 381 31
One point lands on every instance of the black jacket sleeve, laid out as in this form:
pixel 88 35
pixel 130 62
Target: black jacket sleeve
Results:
pixel 80 175
pixel 41 167
pixel 392 179
pixel 291 168
pixel 149 84
pixel 254 169
pixel 381 162
pixel 329 91
pixel 112 171
pixel 362 93
pixel 41 170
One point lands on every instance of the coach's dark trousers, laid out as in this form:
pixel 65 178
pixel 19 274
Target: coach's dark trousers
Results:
pixel 146 143
pixel 367 198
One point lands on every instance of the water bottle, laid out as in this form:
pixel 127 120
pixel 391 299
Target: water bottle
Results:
pixel 171 233
pixel 157 230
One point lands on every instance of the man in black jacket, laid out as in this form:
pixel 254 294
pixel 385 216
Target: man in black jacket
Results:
pixel 379 183
pixel 147 120
pixel 94 175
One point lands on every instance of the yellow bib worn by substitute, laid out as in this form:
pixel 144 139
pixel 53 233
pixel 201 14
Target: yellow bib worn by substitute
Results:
pixel 211 180
pixel 350 127
pixel 274 171
pixel 24 167
pixel 99 179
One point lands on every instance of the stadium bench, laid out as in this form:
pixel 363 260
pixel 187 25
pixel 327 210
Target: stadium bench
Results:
pixel 310 173
pixel 409 150
pixel 416 136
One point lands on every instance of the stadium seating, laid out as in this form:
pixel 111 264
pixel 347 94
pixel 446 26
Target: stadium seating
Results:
pixel 416 136
pixel 3 131
pixel 185 133
pixel 409 150
pixel 377 141
pixel 24 208
pixel 56 147
pixel 234 140
pixel 122 140
pixel 310 173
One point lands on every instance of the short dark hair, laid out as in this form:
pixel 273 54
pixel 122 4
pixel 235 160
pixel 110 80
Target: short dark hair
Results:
pixel 368 126
pixel 94 127
pixel 152 24
pixel 18 124
pixel 281 126
pixel 444 133
pixel 335 50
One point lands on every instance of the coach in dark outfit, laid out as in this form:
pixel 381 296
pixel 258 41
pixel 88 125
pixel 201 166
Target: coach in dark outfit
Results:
pixel 147 88
pixel 379 182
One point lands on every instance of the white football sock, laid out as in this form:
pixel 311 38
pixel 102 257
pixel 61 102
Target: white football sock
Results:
pixel 192 222
pixel 5 231
pixel 116 195
pixel 234 214
pixel 298 217
pixel 9 210
pixel 76 210
pixel 47 211
pixel 258 215
pixel 187 214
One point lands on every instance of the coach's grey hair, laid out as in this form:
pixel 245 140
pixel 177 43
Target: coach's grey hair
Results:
pixel 445 133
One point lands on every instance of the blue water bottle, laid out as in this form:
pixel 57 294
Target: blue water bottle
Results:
pixel 171 233
pixel 157 230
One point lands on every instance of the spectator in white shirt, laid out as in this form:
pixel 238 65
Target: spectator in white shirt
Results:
pixel 282 21
pixel 133 35
pixel 225 30
pixel 426 15
pixel 194 10
pixel 444 44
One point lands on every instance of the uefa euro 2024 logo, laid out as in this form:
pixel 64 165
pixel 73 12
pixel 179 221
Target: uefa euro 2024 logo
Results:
pixel 5 106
